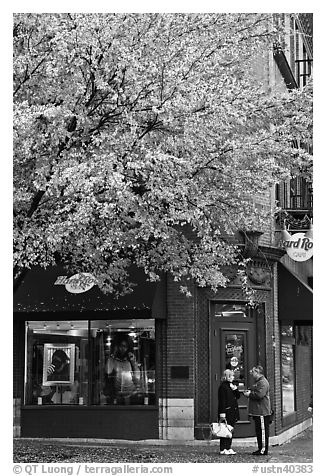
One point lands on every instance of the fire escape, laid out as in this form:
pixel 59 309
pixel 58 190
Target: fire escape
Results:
pixel 294 197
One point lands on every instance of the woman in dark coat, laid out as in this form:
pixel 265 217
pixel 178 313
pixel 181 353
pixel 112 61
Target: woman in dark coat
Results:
pixel 228 410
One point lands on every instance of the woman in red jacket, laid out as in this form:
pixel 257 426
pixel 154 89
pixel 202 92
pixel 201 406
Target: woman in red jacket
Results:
pixel 228 395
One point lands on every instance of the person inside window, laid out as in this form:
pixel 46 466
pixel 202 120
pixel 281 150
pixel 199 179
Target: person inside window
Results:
pixel 122 375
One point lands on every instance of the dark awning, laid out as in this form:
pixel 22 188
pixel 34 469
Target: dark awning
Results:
pixel 295 298
pixel 38 297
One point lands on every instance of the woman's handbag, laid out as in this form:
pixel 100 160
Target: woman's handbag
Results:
pixel 221 430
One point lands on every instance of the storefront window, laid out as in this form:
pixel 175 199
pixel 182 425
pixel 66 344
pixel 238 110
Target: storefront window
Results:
pixel 57 363
pixel 106 363
pixel 288 375
pixel 123 362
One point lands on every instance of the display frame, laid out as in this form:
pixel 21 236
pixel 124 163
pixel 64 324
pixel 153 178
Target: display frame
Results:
pixel 49 351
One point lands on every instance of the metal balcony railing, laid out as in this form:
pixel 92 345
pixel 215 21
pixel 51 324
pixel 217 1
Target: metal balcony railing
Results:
pixel 303 69
pixel 295 196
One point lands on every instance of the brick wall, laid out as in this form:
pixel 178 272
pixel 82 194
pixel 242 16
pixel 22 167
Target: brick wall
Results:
pixel 18 358
pixel 265 203
pixel 266 71
pixel 277 395
pixel 18 374
pixel 179 340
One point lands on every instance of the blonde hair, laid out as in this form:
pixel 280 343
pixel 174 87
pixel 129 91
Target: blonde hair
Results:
pixel 226 374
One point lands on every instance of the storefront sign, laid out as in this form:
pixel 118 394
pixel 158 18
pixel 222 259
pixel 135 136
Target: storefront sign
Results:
pixel 298 246
pixel 234 349
pixel 78 283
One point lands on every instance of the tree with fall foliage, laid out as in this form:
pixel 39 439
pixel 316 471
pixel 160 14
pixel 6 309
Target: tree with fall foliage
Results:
pixel 140 139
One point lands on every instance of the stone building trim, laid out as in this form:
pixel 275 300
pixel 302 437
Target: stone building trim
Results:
pixel 176 418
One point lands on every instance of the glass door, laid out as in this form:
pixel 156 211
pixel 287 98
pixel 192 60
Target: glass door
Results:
pixel 235 355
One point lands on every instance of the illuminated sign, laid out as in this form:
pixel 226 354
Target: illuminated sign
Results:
pixel 78 283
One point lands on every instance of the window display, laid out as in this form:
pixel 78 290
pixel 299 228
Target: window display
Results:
pixel 56 363
pixel 124 362
pixel 90 362
pixel 288 382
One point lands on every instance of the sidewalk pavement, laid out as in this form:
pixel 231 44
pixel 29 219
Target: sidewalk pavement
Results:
pixel 76 450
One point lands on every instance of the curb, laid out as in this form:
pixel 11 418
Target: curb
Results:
pixel 237 442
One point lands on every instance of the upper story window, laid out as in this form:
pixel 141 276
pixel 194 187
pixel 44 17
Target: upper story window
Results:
pixel 293 48
pixel 302 43
pixel 295 195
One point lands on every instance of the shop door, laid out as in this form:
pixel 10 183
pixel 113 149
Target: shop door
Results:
pixel 233 346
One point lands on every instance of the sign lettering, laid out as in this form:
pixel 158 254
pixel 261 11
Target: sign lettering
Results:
pixel 76 284
pixel 298 246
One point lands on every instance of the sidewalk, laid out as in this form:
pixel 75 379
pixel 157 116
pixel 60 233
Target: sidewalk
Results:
pixel 298 450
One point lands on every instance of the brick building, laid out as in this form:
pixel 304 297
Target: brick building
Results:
pixel 181 344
